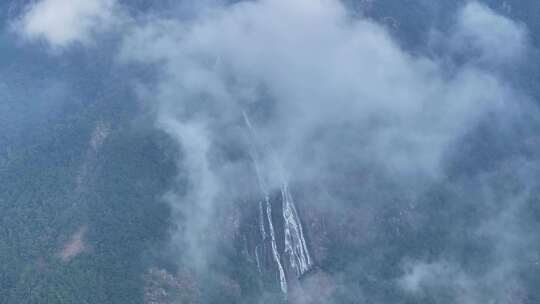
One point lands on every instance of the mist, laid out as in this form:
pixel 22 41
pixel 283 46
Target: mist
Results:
pixel 412 172
pixel 334 96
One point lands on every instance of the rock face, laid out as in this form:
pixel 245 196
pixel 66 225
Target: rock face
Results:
pixel 157 282
pixel 75 246
pixel 161 287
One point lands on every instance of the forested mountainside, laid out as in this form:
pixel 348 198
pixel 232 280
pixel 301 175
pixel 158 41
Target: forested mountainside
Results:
pixel 269 151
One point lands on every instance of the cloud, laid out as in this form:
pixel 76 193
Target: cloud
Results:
pixel 331 95
pixel 499 244
pixel 62 23
pixel 342 112
pixel 326 79
pixel 491 37
pixel 420 276
pixel 363 130
pixel 198 204
pixel 445 280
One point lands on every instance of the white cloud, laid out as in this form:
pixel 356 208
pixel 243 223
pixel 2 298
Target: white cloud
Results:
pixel 496 276
pixel 335 95
pixel 493 37
pixel 321 71
pixel 64 22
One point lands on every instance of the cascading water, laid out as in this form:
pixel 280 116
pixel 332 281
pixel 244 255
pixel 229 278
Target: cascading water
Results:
pixel 264 189
pixel 295 243
pixel 296 250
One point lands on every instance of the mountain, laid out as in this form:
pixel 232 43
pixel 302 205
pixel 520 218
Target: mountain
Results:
pixel 269 151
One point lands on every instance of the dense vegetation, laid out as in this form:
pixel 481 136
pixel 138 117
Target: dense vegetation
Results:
pixel 87 160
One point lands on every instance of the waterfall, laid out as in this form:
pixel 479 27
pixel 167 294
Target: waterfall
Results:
pixel 277 258
pixel 264 189
pixel 261 220
pixel 295 243
pixel 296 250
